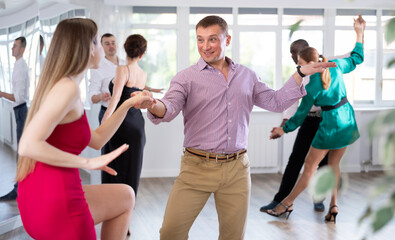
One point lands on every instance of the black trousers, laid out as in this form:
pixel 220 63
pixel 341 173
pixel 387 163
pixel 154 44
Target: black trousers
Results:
pixel 20 112
pixel 300 149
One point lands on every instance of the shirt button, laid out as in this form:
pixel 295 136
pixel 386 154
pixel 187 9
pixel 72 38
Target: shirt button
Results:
pixel 230 121
pixel 229 103
pixel 228 138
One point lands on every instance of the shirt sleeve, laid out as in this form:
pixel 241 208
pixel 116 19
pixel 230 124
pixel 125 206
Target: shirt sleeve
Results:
pixel 356 57
pixel 297 119
pixel 277 100
pixel 289 112
pixel 94 84
pixel 173 100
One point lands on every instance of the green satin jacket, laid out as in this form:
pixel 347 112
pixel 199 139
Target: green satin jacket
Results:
pixel 338 127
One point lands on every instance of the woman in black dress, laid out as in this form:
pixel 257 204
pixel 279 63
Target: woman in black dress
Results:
pixel 128 79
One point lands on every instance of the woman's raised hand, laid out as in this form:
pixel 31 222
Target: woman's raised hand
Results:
pixel 359 24
pixel 100 163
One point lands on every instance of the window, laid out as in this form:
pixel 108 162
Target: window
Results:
pixel 260 41
pixel 197 13
pixel 310 17
pixel 388 84
pixel 4 61
pixel 154 15
pixel 345 16
pixel 257 51
pixel 158 26
pixel 160 61
pixel 258 16
pixel 360 84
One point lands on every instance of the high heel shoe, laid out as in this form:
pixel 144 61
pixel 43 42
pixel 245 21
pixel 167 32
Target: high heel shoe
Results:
pixel 276 214
pixel 331 216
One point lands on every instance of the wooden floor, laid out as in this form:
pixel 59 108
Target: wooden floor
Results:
pixel 7 175
pixel 304 223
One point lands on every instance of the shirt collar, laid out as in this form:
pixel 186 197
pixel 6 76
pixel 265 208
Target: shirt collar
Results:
pixel 202 64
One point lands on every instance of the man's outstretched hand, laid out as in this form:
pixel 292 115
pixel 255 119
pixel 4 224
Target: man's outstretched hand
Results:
pixel 145 101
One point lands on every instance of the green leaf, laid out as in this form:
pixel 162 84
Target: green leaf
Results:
pixel 294 27
pixel 382 123
pixel 389 151
pixel 382 217
pixel 389 117
pixel 323 183
pixel 390 31
pixel 368 213
pixel 390 63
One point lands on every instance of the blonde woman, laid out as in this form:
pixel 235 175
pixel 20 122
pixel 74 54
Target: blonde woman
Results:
pixel 52 202
pixel 338 127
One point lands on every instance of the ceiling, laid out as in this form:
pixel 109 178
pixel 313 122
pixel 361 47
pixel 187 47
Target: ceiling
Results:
pixel 12 6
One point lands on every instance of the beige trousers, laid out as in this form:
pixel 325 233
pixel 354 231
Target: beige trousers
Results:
pixel 231 184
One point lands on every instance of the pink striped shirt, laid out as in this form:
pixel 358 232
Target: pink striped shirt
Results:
pixel 217 112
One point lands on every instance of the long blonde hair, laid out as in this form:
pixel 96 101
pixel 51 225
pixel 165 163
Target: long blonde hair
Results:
pixel 68 55
pixel 310 54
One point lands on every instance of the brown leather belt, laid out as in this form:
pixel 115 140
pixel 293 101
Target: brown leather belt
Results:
pixel 216 157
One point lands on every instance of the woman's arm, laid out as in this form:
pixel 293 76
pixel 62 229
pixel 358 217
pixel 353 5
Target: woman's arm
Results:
pixel 107 129
pixel 61 103
pixel 119 82
pixel 297 119
pixel 356 57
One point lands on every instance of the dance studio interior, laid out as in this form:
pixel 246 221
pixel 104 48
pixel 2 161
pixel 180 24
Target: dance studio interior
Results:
pixel 261 33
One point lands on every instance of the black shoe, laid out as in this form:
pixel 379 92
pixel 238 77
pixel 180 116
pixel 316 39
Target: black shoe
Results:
pixel 331 216
pixel 270 206
pixel 10 196
pixel 319 207
pixel 288 210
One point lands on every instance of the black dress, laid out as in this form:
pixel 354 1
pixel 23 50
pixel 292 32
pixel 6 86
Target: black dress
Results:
pixel 128 165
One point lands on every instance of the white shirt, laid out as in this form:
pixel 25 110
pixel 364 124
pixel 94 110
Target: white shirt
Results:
pixel 101 77
pixel 20 82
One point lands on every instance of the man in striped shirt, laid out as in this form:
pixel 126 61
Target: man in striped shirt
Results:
pixel 216 97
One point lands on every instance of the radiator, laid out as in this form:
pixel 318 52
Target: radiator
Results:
pixel 262 151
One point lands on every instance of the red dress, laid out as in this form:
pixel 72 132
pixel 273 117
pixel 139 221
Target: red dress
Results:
pixel 51 201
